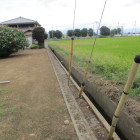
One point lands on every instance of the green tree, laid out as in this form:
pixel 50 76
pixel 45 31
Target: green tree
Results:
pixel 105 31
pixel 119 30
pixel 115 31
pixel 77 32
pixel 52 34
pixel 58 34
pixel 70 33
pixel 45 35
pixel 90 32
pixel 39 35
pixel 84 32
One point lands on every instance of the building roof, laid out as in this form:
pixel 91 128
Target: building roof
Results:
pixel 19 20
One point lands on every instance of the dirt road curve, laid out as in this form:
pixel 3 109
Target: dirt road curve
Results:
pixel 32 106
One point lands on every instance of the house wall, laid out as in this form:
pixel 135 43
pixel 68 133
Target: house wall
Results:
pixel 29 38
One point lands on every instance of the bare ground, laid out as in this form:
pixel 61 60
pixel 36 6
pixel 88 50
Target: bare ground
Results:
pixel 31 105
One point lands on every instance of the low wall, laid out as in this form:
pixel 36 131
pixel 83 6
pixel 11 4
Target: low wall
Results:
pixel 127 128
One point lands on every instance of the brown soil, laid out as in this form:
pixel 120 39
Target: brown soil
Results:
pixel 114 90
pixel 33 107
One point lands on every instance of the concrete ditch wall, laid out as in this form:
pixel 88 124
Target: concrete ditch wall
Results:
pixel 127 127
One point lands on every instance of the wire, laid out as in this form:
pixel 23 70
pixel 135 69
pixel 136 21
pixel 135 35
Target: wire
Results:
pixel 89 63
pixel 97 30
pixel 74 16
pixel 72 45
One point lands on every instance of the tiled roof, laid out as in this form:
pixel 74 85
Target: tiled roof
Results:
pixel 19 20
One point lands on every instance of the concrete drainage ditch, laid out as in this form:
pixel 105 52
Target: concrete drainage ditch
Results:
pixel 127 128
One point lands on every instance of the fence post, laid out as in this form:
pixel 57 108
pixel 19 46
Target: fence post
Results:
pixel 84 79
pixel 70 60
pixel 124 96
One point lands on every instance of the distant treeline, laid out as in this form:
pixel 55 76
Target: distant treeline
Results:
pixel 104 31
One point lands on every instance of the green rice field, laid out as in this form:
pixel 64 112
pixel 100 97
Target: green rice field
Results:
pixel 112 57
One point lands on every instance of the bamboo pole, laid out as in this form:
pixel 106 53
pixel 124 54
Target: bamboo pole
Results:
pixel 124 96
pixel 70 60
pixel 4 82
pixel 84 79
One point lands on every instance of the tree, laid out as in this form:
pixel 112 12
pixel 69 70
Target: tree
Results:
pixel 39 35
pixel 115 31
pixel 58 34
pixel 52 34
pixel 77 32
pixel 70 33
pixel 105 31
pixel 90 32
pixel 45 35
pixel 119 30
pixel 84 32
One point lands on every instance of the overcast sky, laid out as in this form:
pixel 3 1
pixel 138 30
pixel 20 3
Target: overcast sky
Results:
pixel 58 14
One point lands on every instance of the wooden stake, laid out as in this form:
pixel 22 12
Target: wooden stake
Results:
pixel 4 82
pixel 124 96
pixel 70 60
pixel 84 79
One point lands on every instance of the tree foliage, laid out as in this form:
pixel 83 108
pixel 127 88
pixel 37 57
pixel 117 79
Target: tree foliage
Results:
pixel 115 31
pixel 39 35
pixel 90 32
pixel 52 34
pixel 70 33
pixel 77 32
pixel 45 35
pixel 84 32
pixel 58 34
pixel 11 40
pixel 105 31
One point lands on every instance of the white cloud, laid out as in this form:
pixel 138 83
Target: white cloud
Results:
pixel 54 13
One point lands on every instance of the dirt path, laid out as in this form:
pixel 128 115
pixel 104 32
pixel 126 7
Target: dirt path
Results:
pixel 32 106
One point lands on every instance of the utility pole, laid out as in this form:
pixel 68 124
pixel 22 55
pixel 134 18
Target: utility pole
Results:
pixel 97 25
pixel 135 27
pixel 122 30
pixel 117 27
pixel 52 32
pixel 93 29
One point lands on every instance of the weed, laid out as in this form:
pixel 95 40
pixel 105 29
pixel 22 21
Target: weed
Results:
pixel 3 90
pixel 2 112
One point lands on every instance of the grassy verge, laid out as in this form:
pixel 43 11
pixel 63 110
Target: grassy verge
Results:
pixel 112 57
pixel 4 107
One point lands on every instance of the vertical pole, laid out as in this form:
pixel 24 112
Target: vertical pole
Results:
pixel 93 30
pixel 84 79
pixel 52 32
pixel 124 96
pixel 70 60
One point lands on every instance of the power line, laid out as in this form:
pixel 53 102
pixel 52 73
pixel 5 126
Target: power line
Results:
pixel 97 30
pixel 89 62
pixel 72 45
pixel 74 16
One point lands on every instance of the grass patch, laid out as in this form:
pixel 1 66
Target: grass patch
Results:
pixel 34 46
pixel 2 112
pixel 3 90
pixel 112 57
pixel 4 107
